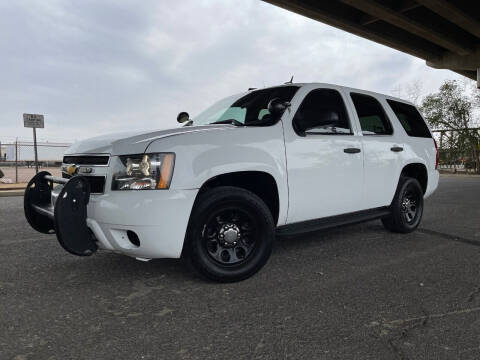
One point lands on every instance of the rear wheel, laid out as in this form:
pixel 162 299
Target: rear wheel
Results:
pixel 230 234
pixel 406 207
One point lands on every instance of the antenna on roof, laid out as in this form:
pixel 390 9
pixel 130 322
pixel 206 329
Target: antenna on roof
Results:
pixel 291 81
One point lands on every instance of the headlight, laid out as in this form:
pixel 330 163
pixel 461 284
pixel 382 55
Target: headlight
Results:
pixel 144 172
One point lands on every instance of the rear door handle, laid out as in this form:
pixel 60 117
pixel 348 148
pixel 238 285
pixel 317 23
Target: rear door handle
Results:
pixel 396 149
pixel 351 150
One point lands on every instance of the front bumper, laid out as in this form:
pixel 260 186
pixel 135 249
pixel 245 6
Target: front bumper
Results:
pixel 158 218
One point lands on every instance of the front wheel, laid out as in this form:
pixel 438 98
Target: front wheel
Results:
pixel 230 234
pixel 406 207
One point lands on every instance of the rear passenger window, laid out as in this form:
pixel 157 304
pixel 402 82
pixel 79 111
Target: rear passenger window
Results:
pixel 373 119
pixel 410 119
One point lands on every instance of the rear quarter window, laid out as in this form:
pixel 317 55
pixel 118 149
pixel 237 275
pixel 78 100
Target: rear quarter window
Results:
pixel 410 118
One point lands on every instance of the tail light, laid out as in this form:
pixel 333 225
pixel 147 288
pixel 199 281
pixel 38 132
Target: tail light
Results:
pixel 437 156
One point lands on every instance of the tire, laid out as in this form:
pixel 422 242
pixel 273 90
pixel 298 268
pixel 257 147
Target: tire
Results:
pixel 230 234
pixel 406 207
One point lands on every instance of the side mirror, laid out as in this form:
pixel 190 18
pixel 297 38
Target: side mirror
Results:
pixel 277 107
pixel 183 117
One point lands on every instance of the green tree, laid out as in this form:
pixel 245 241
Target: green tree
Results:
pixel 452 109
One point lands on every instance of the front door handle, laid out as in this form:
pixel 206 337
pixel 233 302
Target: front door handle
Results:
pixel 351 150
pixel 396 149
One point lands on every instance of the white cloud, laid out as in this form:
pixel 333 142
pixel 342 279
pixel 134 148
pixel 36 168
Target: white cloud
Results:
pixel 100 66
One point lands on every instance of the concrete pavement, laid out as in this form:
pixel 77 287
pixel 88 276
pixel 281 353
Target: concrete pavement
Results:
pixel 357 292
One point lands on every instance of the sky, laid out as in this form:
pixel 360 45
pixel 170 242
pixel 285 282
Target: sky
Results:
pixel 100 66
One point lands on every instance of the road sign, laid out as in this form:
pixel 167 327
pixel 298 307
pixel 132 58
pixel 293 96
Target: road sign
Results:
pixel 33 121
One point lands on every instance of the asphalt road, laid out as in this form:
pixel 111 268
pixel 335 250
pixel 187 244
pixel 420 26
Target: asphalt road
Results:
pixel 353 293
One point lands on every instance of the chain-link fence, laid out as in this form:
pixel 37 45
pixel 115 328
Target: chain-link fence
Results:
pixel 17 159
pixel 459 149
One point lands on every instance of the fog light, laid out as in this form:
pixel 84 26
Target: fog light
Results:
pixel 133 238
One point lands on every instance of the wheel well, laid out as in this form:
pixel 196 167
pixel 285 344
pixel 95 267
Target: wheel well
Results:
pixel 260 183
pixel 417 171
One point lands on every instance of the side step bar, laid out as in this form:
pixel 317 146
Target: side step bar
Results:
pixel 332 221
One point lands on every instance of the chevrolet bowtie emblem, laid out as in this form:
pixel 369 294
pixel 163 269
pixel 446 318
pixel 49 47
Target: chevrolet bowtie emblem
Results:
pixel 72 170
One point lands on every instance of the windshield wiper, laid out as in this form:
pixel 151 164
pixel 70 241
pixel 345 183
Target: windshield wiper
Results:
pixel 228 121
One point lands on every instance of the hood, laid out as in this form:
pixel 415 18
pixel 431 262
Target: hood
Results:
pixel 133 142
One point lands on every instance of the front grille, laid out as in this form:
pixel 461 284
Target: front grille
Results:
pixel 86 160
pixel 97 183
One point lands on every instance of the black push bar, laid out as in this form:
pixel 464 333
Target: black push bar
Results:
pixel 65 214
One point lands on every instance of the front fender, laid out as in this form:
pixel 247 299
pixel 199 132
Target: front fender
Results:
pixel 204 155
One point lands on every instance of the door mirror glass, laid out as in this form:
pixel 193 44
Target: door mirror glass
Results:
pixel 183 117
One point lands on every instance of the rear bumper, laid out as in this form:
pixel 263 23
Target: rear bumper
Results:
pixel 158 218
pixel 432 184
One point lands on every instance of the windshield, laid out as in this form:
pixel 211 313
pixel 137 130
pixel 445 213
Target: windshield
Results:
pixel 250 109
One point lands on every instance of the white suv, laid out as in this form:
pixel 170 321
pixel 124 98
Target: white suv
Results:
pixel 285 159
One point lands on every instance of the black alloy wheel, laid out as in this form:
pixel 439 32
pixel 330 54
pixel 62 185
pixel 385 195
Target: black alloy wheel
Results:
pixel 230 234
pixel 410 199
pixel 406 208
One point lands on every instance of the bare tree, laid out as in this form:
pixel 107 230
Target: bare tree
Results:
pixel 411 92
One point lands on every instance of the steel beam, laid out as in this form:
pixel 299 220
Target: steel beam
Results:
pixel 457 62
pixel 404 7
pixel 399 20
pixel 453 14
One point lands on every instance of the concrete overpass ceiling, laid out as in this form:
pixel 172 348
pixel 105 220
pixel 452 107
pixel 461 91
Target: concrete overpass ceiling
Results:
pixel 444 33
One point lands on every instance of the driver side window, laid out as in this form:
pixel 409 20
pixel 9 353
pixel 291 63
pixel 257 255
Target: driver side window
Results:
pixel 322 112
